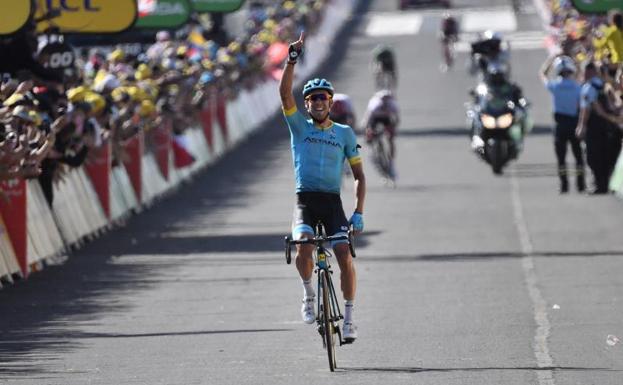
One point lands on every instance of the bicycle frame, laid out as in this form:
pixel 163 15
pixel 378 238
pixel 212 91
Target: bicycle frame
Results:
pixel 321 255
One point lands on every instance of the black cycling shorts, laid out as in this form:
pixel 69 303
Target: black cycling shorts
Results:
pixel 312 207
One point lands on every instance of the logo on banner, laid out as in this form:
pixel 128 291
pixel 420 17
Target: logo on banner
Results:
pixel 87 16
pixel 146 7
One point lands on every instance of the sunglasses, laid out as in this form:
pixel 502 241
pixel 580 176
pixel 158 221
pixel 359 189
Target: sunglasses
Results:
pixel 316 97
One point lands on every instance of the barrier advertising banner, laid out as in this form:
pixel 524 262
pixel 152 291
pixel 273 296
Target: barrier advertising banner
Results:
pixel 204 6
pixel 13 211
pixel 133 164
pixel 221 116
pixel 166 14
pixel 205 116
pixel 162 148
pixel 98 168
pixel 13 16
pixel 87 16
pixel 597 6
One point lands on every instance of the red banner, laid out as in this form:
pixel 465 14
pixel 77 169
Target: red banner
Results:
pixel 162 146
pixel 133 163
pixel 13 210
pixel 221 116
pixel 98 168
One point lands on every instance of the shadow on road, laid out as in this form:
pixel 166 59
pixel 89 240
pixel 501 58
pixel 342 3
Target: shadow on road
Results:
pixel 458 131
pixel 493 368
pixel 193 333
pixel 459 257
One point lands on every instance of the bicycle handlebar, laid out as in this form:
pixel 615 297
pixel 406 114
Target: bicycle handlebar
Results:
pixel 319 241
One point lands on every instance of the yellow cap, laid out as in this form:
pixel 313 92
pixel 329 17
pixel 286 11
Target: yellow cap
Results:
pixel 147 108
pixel 116 55
pixel 77 94
pixel 142 72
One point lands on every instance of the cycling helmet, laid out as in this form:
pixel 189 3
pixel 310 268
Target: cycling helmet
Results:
pixel 564 64
pixel 317 84
pixel 492 35
pixel 384 94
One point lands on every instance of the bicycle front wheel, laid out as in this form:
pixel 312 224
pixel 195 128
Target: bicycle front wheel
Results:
pixel 327 316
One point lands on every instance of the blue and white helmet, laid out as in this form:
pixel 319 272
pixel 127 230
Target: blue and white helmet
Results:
pixel 317 84
pixel 564 63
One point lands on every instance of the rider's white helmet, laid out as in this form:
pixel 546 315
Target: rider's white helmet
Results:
pixel 564 63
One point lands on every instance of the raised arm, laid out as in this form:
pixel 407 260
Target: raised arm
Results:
pixel 285 86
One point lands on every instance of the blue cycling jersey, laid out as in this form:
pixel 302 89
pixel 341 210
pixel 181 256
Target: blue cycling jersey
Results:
pixel 319 153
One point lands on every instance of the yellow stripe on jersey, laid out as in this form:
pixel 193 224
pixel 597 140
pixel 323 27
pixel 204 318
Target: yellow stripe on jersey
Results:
pixel 354 160
pixel 289 112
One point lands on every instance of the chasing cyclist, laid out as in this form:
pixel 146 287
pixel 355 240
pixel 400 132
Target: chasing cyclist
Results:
pixel 383 109
pixel 448 35
pixel 384 68
pixel 319 149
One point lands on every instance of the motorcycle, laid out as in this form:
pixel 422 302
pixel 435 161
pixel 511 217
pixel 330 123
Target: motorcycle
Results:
pixel 497 126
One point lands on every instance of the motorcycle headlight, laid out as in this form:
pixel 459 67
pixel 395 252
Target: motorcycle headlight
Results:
pixel 505 120
pixel 488 121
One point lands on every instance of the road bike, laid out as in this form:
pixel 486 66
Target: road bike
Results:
pixel 328 313
pixel 381 149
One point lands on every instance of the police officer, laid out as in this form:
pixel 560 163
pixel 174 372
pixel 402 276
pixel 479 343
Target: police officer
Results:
pixel 565 92
pixel 598 126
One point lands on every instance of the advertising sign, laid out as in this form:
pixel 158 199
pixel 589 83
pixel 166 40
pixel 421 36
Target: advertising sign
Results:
pixel 167 14
pixel 13 211
pixel 87 16
pixel 597 6
pixel 13 16
pixel 203 6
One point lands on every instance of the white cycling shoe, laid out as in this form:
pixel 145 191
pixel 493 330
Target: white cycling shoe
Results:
pixel 349 332
pixel 308 311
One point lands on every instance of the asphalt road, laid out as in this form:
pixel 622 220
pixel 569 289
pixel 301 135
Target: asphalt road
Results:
pixel 464 278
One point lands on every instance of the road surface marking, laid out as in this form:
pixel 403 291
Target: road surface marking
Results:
pixel 393 24
pixel 539 346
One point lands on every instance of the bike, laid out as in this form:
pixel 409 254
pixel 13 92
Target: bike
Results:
pixel 381 154
pixel 328 314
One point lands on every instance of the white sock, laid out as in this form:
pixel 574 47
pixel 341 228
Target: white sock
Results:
pixel 348 310
pixel 308 289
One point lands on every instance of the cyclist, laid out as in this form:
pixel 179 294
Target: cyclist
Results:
pixel 449 35
pixel 383 108
pixel 384 67
pixel 342 110
pixel 319 149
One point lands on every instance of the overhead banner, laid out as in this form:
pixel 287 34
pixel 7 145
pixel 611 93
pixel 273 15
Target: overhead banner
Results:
pixel 13 16
pixel 87 16
pixel 203 6
pixel 166 14
pixel 597 6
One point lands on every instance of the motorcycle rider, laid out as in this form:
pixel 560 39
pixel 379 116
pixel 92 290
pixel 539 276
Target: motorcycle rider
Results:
pixel 490 48
pixel 499 87
pixel 565 92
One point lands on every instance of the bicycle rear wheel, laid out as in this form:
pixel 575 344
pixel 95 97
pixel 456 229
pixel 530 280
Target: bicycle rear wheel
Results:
pixel 327 317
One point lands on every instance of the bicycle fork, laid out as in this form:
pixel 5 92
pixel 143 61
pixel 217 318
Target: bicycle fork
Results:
pixel 336 313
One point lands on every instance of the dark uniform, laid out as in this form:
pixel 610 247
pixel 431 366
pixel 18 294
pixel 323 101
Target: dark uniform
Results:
pixel 603 138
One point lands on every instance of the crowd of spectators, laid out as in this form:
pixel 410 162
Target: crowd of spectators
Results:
pixel 51 121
